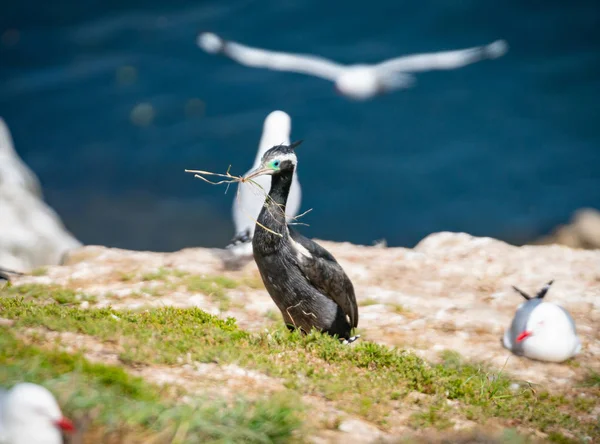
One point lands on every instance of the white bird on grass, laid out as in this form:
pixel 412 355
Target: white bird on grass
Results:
pixel 540 330
pixel 359 81
pixel 29 414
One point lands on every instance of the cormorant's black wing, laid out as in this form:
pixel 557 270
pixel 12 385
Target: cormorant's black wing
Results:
pixel 324 272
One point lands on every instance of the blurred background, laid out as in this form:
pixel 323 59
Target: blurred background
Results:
pixel 108 102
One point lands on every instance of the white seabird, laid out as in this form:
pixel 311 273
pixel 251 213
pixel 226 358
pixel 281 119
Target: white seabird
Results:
pixel 249 200
pixel 30 414
pixel 543 331
pixel 359 81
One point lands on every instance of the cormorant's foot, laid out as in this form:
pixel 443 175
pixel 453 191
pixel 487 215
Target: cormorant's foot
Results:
pixel 350 340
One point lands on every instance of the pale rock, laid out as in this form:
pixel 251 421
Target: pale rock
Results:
pixel 583 231
pixel 360 431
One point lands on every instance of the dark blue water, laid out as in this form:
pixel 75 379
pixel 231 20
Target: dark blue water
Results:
pixel 507 148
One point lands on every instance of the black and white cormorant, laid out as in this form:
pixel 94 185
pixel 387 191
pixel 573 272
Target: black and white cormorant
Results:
pixel 305 281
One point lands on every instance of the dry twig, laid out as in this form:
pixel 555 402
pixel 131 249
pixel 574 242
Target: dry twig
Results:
pixel 229 179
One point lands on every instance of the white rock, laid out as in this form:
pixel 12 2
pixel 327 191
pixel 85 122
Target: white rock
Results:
pixel 31 234
pixel 361 431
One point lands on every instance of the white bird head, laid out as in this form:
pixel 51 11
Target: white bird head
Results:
pixel 210 42
pixel 276 131
pixel 497 49
pixel 31 414
pixel 546 321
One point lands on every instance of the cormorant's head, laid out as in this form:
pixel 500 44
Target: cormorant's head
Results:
pixel 279 159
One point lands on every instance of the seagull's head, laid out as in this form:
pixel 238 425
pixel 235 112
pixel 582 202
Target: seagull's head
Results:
pixel 358 82
pixel 210 42
pixel 546 320
pixel 278 160
pixel 32 408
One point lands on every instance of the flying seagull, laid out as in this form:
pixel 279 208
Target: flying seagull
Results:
pixel 249 200
pixel 359 81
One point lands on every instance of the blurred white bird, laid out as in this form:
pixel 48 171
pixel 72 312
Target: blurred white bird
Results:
pixel 249 200
pixel 13 171
pixel 360 81
pixel 29 414
pixel 542 330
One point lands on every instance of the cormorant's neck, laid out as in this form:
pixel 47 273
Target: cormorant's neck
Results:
pixel 272 215
pixel 280 188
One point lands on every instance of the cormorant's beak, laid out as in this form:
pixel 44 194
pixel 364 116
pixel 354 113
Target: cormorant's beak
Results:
pixel 260 171
pixel 524 334
pixel 65 424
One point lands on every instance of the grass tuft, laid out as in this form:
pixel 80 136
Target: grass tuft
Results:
pixel 40 271
pixel 46 293
pixel 365 379
pixel 136 411
pixel 214 287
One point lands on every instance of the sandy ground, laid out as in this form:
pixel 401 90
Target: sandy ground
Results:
pixel 452 291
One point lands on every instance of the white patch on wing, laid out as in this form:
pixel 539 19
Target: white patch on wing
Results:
pixel 300 250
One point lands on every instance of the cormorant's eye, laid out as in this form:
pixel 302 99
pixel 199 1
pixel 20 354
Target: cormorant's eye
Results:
pixel 275 163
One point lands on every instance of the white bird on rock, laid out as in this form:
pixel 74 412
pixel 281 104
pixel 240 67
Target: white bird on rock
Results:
pixel 249 200
pixel 29 414
pixel 358 81
pixel 542 330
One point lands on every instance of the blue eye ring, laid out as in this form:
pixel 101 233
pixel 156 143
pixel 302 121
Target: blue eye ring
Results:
pixel 276 163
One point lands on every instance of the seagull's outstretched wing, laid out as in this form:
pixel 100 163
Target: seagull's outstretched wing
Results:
pixel 323 271
pixel 260 58
pixel 445 59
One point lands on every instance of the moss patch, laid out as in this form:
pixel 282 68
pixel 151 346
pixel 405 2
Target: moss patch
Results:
pixel 366 379
pixel 136 411
pixel 213 286
pixel 46 293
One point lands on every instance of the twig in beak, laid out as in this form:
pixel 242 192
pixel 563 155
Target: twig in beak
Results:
pixel 230 179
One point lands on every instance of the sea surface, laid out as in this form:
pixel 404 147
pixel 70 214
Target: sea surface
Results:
pixel 109 102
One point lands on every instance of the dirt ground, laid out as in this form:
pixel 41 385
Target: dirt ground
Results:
pixel 452 291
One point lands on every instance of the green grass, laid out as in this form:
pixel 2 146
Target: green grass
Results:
pixel 399 308
pixel 40 271
pixel 161 274
pixel 169 279
pixel 136 410
pixel 213 286
pixel 252 282
pixel 367 302
pixel 592 379
pixel 434 416
pixel 126 277
pixel 366 379
pixel 47 293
